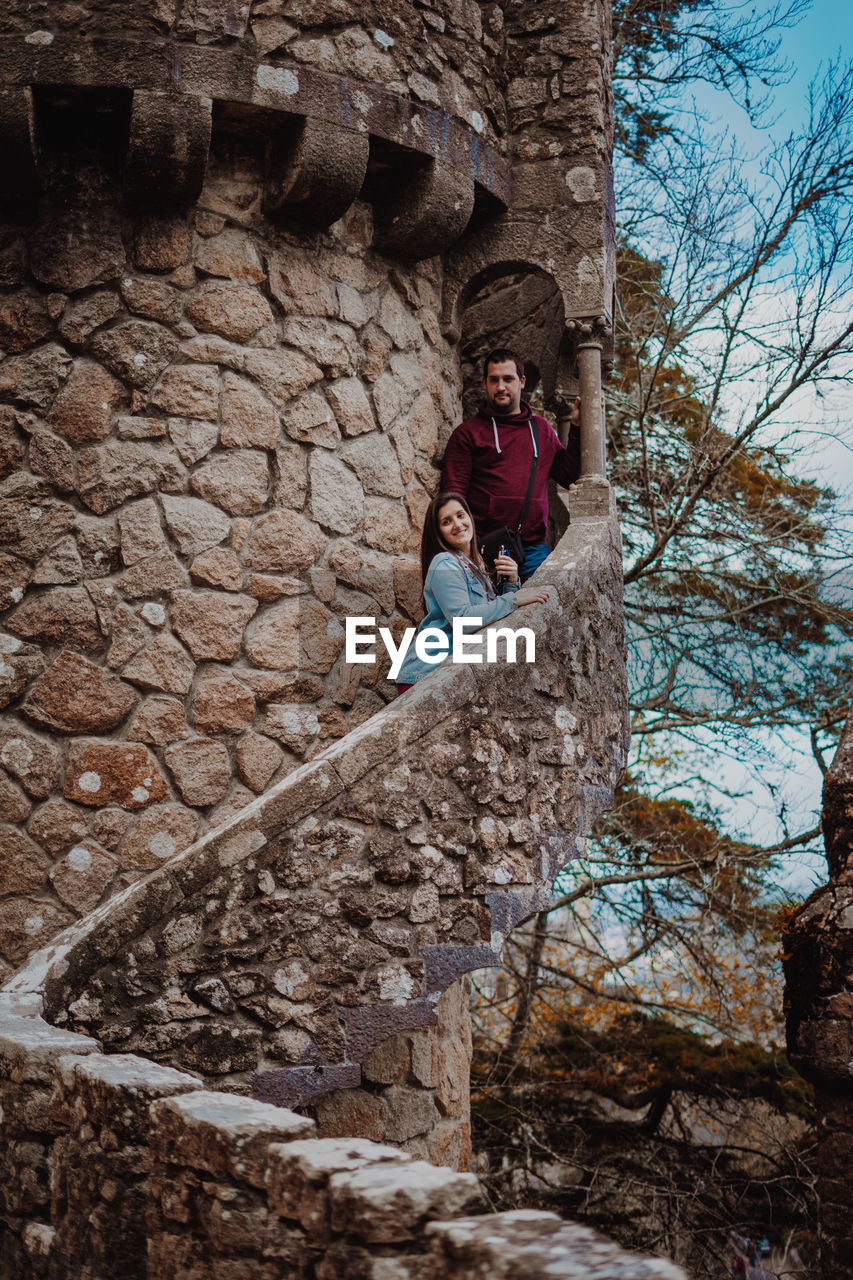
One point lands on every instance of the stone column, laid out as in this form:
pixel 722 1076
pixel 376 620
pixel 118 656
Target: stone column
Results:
pixel 592 418
pixel 818 948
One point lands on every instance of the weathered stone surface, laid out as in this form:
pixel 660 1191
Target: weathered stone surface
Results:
pixel 284 541
pixel 291 476
pixel 374 460
pixel 23 865
pixel 283 686
pixel 239 482
pixel 24 320
pixel 218 567
pixel 157 575
pixel 11 445
pixel 81 877
pixel 98 544
pixel 233 310
pixel 281 374
pixel 57 825
pixel 211 623
pixel 34 378
pixel 27 923
pixel 84 407
pixel 194 524
pixel 130 427
pixel 248 419
pixel 62 565
pixel 385 1202
pixel 257 759
pixel 62 616
pixel 32 761
pixel 107 826
pixel 232 255
pixel 337 500
pixel 399 323
pixel 201 769
pixel 83 316
pixel 122 773
pixel 351 406
pixel 19 664
pixel 299 634
pixel 162 830
pixel 137 351
pixel 164 666
pixel 192 439
pixel 53 458
pixel 159 720
pixel 152 299
pixel 73 249
pixel 31 521
pixel 14 576
pixel 386 526
pixel 14 805
pixel 120 469
pixel 75 696
pixel 408 588
pixel 161 244
pixel 299 288
pixel 141 534
pixel 222 704
pixel 332 344
pixel 189 391
pixel 268 587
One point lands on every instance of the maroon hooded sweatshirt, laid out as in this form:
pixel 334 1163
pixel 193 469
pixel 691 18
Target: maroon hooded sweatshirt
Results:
pixel 488 460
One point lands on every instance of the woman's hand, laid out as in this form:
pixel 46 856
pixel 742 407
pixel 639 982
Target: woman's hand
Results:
pixel 505 567
pixel 533 595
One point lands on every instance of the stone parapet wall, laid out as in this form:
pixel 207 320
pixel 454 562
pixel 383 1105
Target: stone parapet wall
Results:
pixel 114 1168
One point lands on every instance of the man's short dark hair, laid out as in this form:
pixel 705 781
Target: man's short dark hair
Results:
pixel 500 355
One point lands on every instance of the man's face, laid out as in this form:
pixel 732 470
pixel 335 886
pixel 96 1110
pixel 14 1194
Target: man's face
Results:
pixel 503 387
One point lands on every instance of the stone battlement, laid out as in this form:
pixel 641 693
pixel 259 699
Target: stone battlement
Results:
pixel 114 1168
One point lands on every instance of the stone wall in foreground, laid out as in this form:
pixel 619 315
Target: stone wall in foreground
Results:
pixel 114 1168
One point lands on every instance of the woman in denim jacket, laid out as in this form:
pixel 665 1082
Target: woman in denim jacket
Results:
pixel 456 584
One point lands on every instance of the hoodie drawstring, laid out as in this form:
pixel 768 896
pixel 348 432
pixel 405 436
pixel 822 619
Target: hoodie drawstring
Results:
pixel 529 428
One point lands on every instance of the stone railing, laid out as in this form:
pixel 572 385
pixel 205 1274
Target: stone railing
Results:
pixel 114 1168
pixel 332 912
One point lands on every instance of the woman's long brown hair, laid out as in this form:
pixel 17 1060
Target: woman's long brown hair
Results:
pixel 432 542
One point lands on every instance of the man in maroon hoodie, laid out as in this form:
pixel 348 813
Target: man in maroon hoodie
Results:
pixel 488 458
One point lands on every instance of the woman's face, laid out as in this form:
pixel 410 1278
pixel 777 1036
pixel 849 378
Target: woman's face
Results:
pixel 454 527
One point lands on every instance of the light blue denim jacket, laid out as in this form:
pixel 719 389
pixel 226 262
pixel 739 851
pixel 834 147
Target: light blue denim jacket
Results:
pixel 453 590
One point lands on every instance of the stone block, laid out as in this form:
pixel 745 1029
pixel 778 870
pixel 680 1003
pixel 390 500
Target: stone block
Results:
pixel 163 666
pixel 231 255
pixel 257 758
pixel 189 391
pixel 234 311
pixel 284 541
pixel 162 831
pixel 195 525
pixel 141 534
pixel 383 1203
pixel 296 635
pixel 201 769
pixel 218 567
pixel 63 616
pixel 192 439
pixel 530 1245
pixel 222 704
pixel 82 876
pixel 337 498
pixel 83 409
pixel 113 472
pixel 299 1174
pixel 32 761
pixel 221 1133
pixel 122 773
pixel 116 1091
pixel 137 351
pixel 211 623
pixel 239 482
pixel 76 696
pixel 248 418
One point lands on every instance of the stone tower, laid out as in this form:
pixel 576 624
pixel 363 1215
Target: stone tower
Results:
pixel 243 251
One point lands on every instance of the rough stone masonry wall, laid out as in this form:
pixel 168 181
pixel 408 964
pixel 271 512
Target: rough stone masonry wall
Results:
pixel 818 966
pixel 215 444
pixel 113 1168
pixel 329 916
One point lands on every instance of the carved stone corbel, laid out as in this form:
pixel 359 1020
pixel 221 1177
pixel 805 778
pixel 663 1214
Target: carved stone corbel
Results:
pixel 167 150
pixel 430 211
pixel 20 187
pixel 313 178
